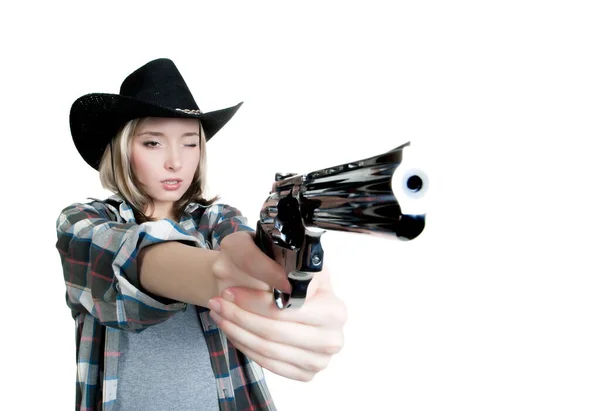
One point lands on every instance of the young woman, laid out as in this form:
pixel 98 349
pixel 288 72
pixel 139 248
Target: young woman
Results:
pixel 171 298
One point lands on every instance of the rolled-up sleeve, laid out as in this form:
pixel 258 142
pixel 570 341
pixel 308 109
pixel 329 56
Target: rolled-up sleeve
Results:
pixel 99 260
pixel 223 220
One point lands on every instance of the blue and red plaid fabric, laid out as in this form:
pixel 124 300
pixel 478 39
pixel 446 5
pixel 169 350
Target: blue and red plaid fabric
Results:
pixel 98 243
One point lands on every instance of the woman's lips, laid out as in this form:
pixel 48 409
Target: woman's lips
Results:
pixel 171 184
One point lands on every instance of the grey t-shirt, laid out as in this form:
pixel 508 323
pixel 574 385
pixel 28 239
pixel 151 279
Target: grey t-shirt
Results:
pixel 167 367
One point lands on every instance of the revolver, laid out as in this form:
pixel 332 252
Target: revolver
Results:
pixel 380 195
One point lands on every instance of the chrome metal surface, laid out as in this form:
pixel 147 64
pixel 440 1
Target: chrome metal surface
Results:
pixel 361 196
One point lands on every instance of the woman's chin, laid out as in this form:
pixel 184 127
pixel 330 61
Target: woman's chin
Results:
pixel 167 197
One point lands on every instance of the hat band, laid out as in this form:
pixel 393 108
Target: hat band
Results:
pixel 188 111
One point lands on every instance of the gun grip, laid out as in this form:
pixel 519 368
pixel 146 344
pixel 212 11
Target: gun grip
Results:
pixel 300 264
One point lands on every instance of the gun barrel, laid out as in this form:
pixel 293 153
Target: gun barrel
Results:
pixel 360 197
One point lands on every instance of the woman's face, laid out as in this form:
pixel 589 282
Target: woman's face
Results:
pixel 164 155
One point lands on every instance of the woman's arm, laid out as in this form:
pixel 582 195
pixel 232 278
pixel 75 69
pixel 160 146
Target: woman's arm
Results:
pixel 178 272
pixel 100 266
pixel 183 273
pixel 131 276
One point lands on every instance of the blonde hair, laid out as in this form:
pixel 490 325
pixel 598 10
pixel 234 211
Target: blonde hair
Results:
pixel 118 175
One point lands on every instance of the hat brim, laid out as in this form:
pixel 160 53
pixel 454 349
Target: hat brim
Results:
pixel 96 118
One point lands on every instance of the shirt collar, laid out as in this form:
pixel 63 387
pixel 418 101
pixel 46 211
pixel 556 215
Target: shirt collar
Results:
pixel 126 212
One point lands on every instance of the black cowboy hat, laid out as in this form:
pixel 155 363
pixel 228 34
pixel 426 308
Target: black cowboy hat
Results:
pixel 156 89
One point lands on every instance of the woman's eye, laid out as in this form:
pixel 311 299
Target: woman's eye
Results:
pixel 191 145
pixel 151 144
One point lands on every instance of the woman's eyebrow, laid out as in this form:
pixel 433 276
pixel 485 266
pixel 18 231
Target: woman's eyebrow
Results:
pixel 151 133
pixel 159 134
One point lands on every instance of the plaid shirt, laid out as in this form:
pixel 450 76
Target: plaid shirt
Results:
pixel 98 243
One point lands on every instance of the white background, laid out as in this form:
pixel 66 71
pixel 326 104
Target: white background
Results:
pixel 495 307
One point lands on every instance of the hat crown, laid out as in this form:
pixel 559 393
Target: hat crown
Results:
pixel 156 89
pixel 159 82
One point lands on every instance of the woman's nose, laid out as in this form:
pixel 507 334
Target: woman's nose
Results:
pixel 173 161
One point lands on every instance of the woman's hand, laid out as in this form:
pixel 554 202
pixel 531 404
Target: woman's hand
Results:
pixel 294 343
pixel 242 264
